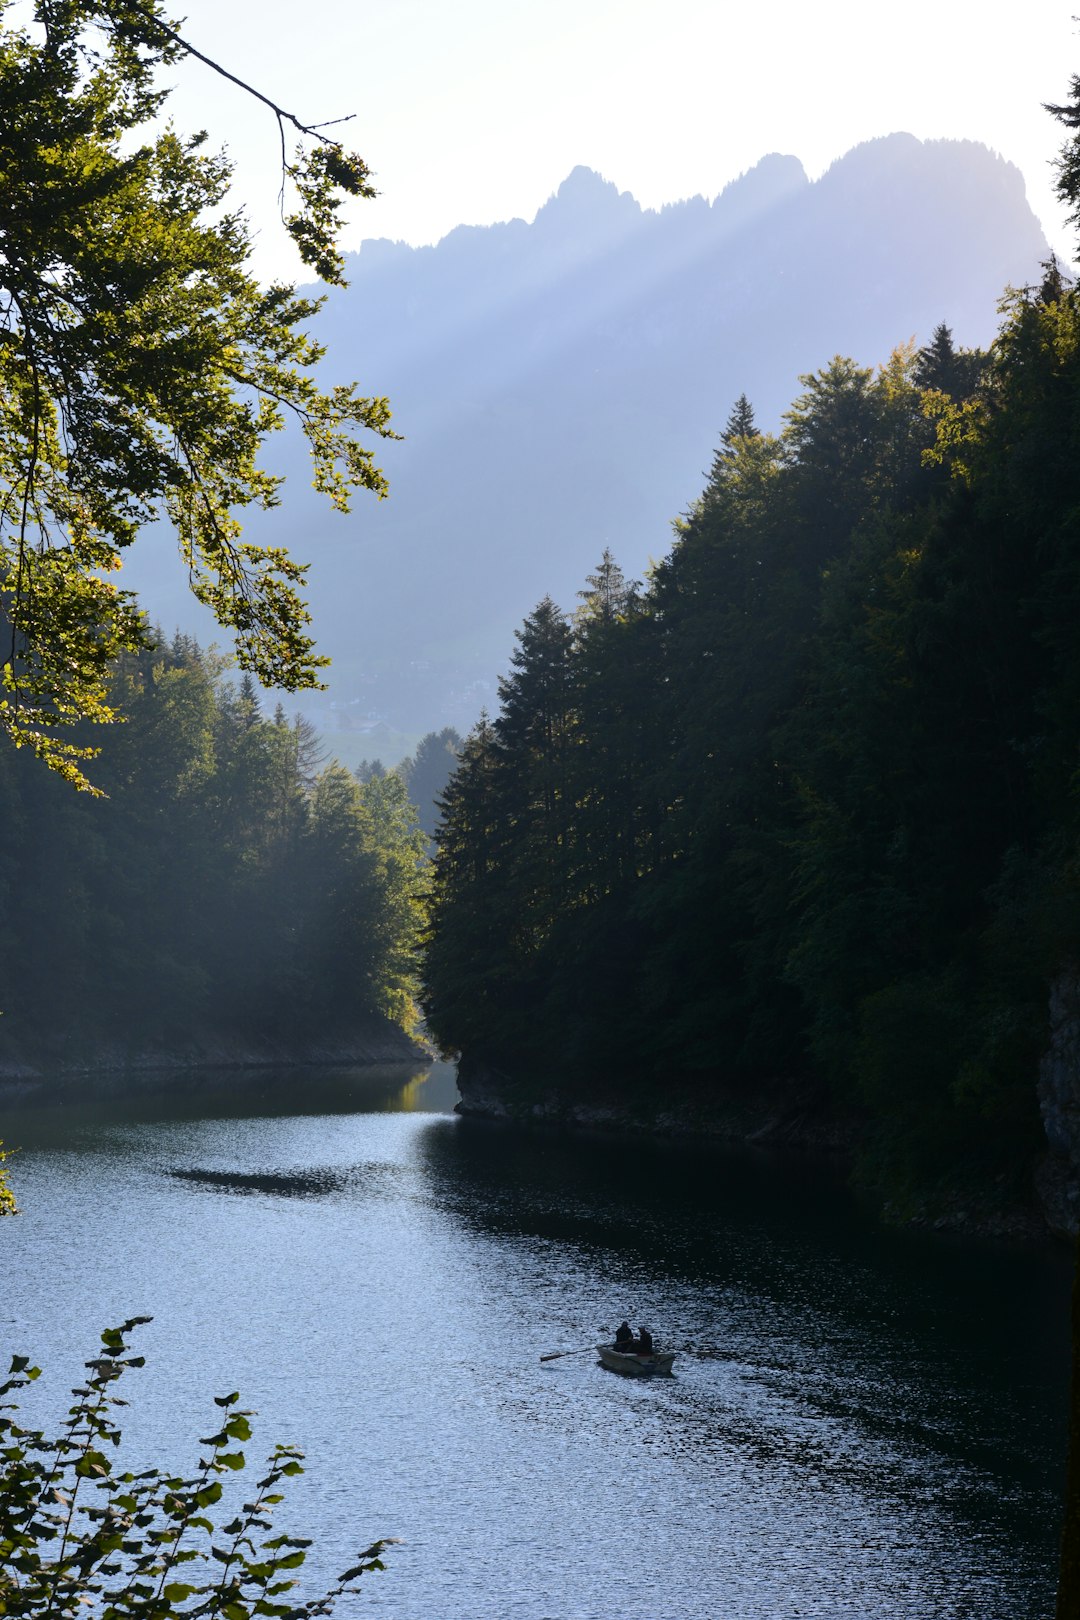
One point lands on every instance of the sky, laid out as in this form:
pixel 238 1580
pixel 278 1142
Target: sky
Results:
pixel 471 111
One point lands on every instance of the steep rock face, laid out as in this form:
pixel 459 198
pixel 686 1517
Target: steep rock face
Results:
pixel 1058 1180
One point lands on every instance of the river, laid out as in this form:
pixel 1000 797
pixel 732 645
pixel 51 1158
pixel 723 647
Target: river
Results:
pixel 862 1424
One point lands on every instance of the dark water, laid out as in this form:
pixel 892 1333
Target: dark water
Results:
pixel 868 1425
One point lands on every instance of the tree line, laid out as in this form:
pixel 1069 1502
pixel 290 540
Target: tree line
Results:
pixel 805 803
pixel 229 884
pixel 425 773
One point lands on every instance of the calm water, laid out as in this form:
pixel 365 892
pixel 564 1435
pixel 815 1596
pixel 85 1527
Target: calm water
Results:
pixel 868 1424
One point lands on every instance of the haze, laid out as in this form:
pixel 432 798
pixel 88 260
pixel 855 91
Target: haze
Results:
pixel 475 112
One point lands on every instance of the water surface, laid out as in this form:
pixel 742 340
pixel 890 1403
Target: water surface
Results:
pixel 862 1424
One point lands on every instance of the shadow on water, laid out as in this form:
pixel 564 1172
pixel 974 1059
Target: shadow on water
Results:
pixel 296 1184
pixel 367 1181
pixel 862 1422
pixel 771 1264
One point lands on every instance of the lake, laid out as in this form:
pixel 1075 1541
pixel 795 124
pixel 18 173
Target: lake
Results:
pixel 861 1423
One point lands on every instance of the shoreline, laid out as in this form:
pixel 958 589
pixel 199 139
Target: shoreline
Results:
pixel 23 1074
pixel 786 1122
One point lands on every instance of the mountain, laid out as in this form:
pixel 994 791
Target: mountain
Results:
pixel 561 385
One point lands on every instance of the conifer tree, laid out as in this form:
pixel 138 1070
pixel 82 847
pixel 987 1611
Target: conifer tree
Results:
pixel 427 772
pixel 607 596
pixel 535 725
pixel 471 961
pixel 820 813
pixel 740 423
pixel 614 648
pixel 1068 162
pixel 194 902
pixel 740 427
pixel 941 365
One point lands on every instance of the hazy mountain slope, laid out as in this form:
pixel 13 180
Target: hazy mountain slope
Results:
pixel 561 385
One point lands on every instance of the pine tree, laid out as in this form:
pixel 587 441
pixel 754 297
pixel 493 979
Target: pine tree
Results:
pixel 471 959
pixel 941 365
pixel 610 672
pixel 740 423
pixel 426 773
pixel 536 722
pixel 1068 162
pixel 607 597
pixel 740 427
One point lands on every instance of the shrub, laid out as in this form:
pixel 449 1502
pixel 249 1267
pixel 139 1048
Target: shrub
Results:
pixel 78 1538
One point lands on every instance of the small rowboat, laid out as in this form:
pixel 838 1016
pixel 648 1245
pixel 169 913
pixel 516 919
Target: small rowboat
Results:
pixel 625 1361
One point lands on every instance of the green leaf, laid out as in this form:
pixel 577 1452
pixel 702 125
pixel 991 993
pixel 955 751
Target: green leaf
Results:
pixel 177 1591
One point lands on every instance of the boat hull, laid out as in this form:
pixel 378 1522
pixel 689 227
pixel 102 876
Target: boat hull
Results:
pixel 635 1366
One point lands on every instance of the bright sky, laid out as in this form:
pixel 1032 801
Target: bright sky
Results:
pixel 475 110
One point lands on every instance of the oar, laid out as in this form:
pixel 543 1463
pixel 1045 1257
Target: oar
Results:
pixel 555 1354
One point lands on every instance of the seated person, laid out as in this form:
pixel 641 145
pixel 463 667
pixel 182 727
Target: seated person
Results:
pixel 624 1336
pixel 643 1345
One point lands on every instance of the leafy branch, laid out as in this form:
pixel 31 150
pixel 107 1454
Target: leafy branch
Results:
pixel 79 1537
pixel 143 368
pixel 316 174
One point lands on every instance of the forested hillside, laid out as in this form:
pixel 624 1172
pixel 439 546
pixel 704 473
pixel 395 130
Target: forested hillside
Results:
pixel 560 383
pixel 230 894
pixel 804 805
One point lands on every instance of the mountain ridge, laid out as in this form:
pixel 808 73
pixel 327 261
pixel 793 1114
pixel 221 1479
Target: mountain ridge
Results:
pixel 561 384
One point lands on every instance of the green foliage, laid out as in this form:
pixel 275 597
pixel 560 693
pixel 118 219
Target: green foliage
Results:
pixel 358 911
pixel 228 887
pixel 78 1535
pixel 399 901
pixel 142 369
pixel 740 426
pixel 1068 166
pixel 942 366
pixel 807 805
pixel 470 970
pixel 426 773
pixel 8 1206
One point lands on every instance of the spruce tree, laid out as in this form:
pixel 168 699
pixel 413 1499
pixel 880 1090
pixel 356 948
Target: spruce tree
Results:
pixel 471 967
pixel 740 427
pixel 941 365
pixel 426 773
pixel 740 423
pixel 1068 161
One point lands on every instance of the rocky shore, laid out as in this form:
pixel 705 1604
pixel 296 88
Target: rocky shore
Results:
pixel 794 1117
pixel 788 1119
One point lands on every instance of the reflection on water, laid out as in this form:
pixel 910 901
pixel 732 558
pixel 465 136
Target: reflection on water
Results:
pixel 56 1110
pixel 862 1425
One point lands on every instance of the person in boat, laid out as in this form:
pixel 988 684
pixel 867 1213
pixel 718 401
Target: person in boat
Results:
pixel 624 1336
pixel 643 1344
